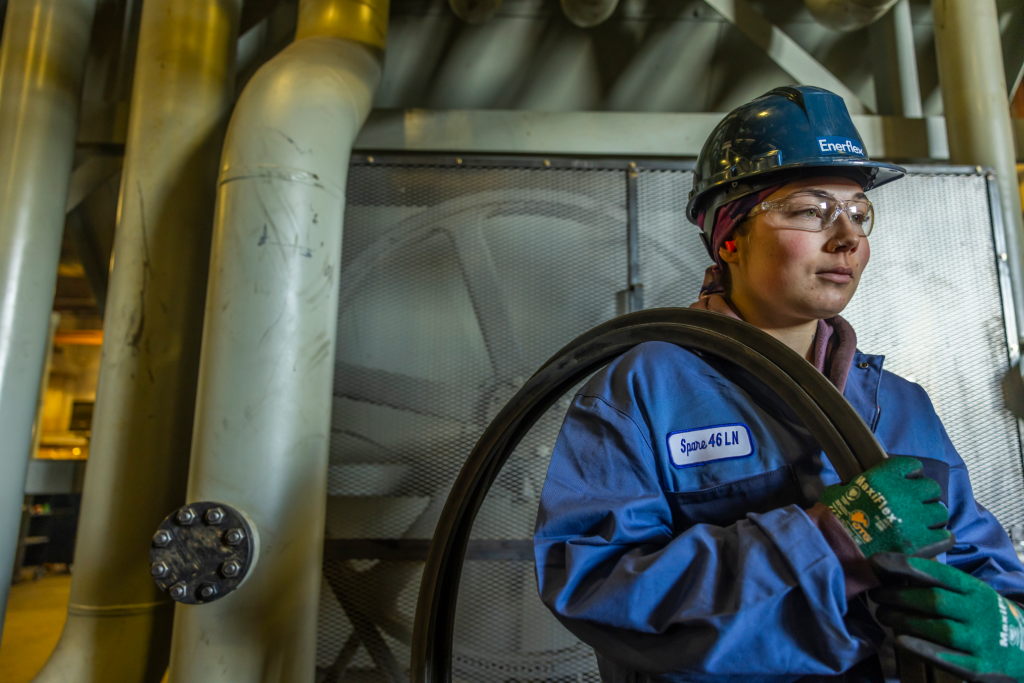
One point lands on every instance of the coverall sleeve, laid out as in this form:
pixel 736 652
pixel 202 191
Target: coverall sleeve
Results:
pixel 763 597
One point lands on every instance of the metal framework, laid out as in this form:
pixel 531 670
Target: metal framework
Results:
pixel 369 625
pixel 785 51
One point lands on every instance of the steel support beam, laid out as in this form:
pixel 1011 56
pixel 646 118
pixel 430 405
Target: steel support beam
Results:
pixel 608 133
pixel 897 87
pixel 785 51
pixel 119 624
pixel 42 59
pixel 89 176
pixel 91 255
pixel 977 111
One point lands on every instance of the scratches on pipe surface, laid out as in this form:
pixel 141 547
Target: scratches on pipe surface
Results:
pixel 278 172
pixel 303 251
pixel 293 142
pixel 269 328
pixel 136 337
pixel 316 352
pixel 318 357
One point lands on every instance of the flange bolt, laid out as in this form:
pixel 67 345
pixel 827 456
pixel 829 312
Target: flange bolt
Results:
pixel 158 569
pixel 214 516
pixel 207 591
pixel 162 538
pixel 230 569
pixel 178 591
pixel 186 516
pixel 234 536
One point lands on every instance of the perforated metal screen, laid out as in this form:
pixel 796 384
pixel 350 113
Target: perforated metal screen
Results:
pixel 458 281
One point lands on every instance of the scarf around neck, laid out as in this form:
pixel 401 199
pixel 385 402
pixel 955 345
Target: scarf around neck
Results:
pixel 835 342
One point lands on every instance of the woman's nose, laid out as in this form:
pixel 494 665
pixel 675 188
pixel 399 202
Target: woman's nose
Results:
pixel 844 235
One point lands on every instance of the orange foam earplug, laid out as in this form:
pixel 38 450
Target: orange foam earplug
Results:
pixel 730 245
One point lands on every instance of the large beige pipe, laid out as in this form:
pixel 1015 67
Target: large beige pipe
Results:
pixel 848 15
pixel 119 624
pixel 42 57
pixel 264 401
pixel 967 45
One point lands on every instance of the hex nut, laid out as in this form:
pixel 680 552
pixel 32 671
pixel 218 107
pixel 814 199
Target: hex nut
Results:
pixel 207 591
pixel 234 536
pixel 186 516
pixel 178 591
pixel 158 569
pixel 214 516
pixel 230 569
pixel 162 538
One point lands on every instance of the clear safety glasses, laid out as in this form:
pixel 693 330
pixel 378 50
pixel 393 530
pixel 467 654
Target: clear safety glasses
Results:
pixel 814 212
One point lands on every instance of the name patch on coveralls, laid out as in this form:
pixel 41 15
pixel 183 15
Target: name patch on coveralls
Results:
pixel 705 444
pixel 831 144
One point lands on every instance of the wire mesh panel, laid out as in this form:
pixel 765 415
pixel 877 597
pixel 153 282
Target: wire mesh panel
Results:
pixel 929 301
pixel 456 284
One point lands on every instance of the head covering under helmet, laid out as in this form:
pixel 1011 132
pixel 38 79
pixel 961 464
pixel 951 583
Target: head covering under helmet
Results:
pixel 782 135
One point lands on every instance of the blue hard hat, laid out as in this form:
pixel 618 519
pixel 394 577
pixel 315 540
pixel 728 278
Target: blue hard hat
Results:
pixel 786 133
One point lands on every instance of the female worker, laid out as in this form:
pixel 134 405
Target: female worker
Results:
pixel 690 529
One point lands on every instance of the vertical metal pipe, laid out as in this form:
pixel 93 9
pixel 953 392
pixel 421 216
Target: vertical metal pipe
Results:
pixel 119 625
pixel 42 57
pixel 908 83
pixel 263 406
pixel 897 89
pixel 970 60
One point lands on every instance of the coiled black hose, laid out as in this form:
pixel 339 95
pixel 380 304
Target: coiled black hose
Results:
pixel 840 431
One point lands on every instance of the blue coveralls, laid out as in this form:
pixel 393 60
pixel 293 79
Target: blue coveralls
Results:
pixel 713 571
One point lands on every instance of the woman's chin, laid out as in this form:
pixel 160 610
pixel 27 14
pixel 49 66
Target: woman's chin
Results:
pixel 824 307
pixel 822 312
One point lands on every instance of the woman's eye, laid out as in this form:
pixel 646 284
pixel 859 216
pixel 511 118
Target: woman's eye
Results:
pixel 805 212
pixel 858 216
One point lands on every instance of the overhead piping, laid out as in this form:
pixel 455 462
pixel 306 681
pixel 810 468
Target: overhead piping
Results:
pixel 118 627
pixel 263 408
pixel 848 15
pixel 474 11
pixel 42 58
pixel 588 13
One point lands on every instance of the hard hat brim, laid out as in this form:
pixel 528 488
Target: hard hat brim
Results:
pixel 870 175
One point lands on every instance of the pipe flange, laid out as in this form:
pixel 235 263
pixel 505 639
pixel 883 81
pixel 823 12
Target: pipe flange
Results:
pixel 202 551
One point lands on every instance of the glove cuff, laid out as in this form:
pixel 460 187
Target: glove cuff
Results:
pixel 857 572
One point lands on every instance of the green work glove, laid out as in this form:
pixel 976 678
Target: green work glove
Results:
pixel 892 507
pixel 950 619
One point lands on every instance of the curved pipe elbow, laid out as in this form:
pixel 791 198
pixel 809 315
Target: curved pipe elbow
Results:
pixel 474 11
pixel 847 15
pixel 301 111
pixel 588 13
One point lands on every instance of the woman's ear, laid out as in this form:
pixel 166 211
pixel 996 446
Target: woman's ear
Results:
pixel 729 255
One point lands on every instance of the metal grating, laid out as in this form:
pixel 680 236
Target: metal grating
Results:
pixel 458 281
pixel 933 247
pixel 456 284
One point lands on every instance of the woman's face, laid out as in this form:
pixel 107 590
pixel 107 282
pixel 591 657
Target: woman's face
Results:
pixel 793 276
